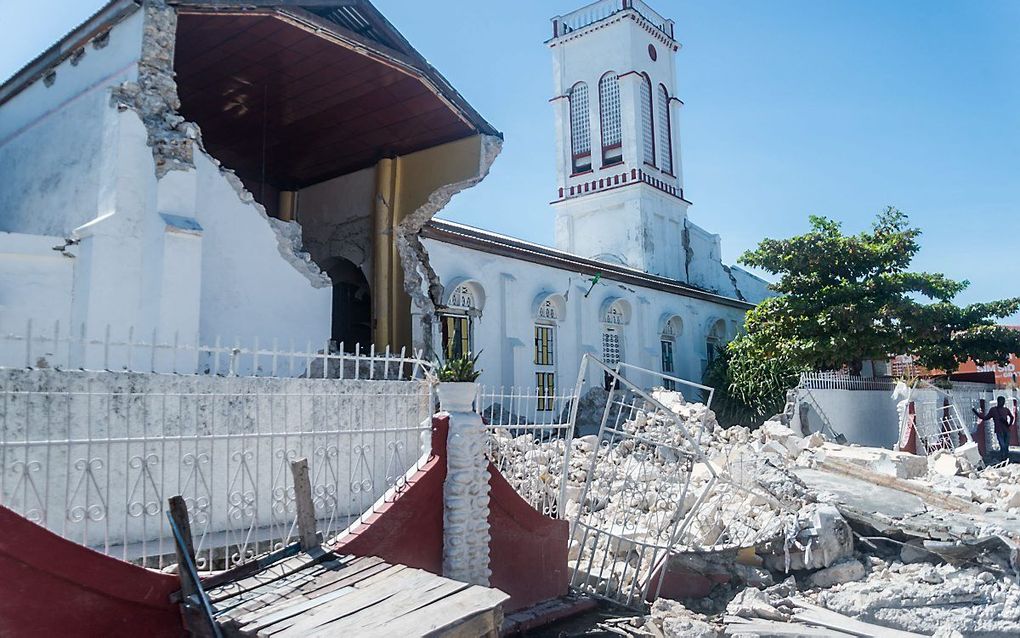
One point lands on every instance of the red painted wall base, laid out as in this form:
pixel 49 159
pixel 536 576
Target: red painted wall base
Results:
pixel 54 587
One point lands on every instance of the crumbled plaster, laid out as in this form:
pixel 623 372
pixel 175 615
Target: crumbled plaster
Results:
pixel 154 95
pixel 420 281
pixel 173 139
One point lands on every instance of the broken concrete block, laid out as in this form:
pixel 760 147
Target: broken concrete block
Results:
pixel 943 464
pixel 824 534
pixel 970 452
pixel 913 551
pixel 1009 496
pixel 842 572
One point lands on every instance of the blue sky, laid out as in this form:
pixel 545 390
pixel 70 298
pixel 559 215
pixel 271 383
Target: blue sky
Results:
pixel 793 107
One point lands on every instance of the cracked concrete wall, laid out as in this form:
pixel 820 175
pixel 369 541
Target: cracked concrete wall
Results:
pixel 98 152
pixel 336 219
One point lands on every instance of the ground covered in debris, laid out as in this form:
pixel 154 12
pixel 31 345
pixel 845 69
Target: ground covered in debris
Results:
pixel 796 535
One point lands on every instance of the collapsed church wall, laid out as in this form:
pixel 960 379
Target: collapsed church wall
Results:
pixel 164 239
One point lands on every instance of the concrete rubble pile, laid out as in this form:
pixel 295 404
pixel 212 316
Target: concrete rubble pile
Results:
pixel 833 539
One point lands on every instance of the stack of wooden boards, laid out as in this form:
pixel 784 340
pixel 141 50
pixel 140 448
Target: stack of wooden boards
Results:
pixel 318 593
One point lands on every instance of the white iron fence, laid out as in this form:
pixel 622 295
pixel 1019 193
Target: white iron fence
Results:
pixel 32 345
pixel 647 490
pixel 530 433
pixel 93 456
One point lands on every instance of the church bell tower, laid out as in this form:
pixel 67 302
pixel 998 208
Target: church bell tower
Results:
pixel 620 185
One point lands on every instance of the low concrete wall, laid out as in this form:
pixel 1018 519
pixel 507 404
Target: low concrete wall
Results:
pixel 93 456
pixel 864 417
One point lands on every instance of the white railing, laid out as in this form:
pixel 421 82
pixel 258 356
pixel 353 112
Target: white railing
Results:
pixel 93 456
pixel 841 381
pixel 596 11
pixel 529 435
pixel 55 346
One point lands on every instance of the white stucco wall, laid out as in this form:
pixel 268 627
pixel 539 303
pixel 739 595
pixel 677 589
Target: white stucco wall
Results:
pixel 504 333
pixel 56 141
pixel 77 165
pixel 864 417
pixel 35 280
pixel 336 219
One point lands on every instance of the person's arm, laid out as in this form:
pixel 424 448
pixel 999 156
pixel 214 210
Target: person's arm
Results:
pixel 983 417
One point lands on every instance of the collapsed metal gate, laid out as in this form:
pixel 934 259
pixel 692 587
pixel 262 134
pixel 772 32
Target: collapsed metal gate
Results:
pixel 648 490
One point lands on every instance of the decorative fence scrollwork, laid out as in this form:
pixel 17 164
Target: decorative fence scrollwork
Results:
pixel 93 456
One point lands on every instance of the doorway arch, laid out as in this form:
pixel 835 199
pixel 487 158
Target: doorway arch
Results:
pixel 352 305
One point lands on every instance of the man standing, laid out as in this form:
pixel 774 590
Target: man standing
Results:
pixel 1002 419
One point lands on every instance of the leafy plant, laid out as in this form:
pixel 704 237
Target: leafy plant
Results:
pixel 844 299
pixel 458 369
pixel 748 391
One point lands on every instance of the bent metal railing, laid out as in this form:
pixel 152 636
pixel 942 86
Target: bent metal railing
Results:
pixel 93 456
pixel 646 489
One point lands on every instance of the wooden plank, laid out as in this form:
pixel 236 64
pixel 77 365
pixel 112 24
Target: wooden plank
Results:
pixel 330 581
pixel 484 623
pixel 178 510
pixel 289 609
pixel 305 506
pixel 316 589
pixel 774 628
pixel 250 568
pixel 272 573
pixel 351 603
pixel 267 594
pixel 255 613
pixel 815 615
pixel 443 615
pixel 399 604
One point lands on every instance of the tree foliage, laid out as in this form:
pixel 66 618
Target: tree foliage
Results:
pixel 844 299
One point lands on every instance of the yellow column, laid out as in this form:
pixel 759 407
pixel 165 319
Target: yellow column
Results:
pixel 382 253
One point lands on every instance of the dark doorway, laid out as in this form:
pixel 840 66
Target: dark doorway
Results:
pixel 352 305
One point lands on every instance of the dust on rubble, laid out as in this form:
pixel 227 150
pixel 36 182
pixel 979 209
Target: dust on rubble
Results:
pixel 848 540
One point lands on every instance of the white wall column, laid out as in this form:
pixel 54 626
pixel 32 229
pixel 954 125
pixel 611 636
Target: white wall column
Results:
pixel 466 489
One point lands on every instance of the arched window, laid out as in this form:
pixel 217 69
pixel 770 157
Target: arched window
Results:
pixel 671 329
pixel 547 310
pixel 457 322
pixel 580 128
pixel 715 339
pixel 462 297
pixel 609 117
pixel 665 133
pixel 647 122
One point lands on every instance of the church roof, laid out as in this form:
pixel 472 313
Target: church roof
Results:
pixel 496 244
pixel 355 22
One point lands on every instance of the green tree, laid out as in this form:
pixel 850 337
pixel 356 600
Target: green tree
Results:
pixel 844 299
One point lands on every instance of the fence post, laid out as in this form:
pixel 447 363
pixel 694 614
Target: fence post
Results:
pixel 466 489
pixel 305 507
pixel 178 511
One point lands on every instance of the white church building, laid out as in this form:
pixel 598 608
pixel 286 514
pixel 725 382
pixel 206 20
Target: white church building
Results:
pixel 631 278
pixel 267 172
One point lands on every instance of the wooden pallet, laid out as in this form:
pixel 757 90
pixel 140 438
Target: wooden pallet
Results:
pixel 318 593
